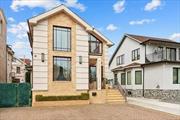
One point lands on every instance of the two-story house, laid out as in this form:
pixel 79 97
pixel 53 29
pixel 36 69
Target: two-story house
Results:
pixel 10 56
pixel 147 66
pixel 69 56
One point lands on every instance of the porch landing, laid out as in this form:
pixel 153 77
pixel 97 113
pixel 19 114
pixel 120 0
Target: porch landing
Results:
pixel 156 105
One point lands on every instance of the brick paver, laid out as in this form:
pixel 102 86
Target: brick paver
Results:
pixel 85 112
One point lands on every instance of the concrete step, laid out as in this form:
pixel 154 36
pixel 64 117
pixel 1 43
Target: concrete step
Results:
pixel 115 98
pixel 115 101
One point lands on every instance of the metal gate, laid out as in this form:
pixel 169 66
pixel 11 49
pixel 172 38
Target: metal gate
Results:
pixel 15 95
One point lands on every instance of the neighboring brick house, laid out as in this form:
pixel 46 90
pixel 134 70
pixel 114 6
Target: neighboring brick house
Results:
pixel 69 56
pixel 10 56
pixel 3 63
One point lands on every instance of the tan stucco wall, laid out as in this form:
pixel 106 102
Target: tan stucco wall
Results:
pixel 3 71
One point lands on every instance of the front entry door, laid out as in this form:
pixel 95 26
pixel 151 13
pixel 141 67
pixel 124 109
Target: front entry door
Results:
pixel 92 77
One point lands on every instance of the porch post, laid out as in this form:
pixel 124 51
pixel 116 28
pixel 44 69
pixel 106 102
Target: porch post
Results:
pixel 98 73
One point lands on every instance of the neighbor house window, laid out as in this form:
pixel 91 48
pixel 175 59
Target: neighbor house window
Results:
pixel 179 53
pixel 62 38
pixel 171 54
pixel 138 77
pixel 136 54
pixel 123 79
pixel 18 70
pixel 176 75
pixel 120 60
pixel 129 78
pixel 95 45
pixel 62 69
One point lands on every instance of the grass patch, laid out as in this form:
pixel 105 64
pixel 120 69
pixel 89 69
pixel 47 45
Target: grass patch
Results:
pixel 83 96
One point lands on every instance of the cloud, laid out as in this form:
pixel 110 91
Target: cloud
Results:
pixel 141 22
pixel 153 5
pixel 19 30
pixel 19 45
pixel 175 37
pixel 119 6
pixel 46 4
pixel 11 19
pixel 111 27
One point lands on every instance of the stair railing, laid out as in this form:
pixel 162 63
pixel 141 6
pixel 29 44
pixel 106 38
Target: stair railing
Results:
pixel 122 90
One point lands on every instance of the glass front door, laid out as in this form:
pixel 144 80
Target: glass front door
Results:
pixel 92 77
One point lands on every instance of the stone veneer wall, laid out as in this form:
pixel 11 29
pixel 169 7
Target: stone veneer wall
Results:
pixel 163 95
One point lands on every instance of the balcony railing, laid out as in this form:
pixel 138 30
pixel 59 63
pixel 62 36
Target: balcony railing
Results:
pixel 161 56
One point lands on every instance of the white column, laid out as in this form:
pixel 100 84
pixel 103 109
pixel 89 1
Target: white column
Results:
pixel 98 65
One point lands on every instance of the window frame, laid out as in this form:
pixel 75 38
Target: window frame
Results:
pixel 129 83
pixel 97 42
pixel 54 80
pixel 70 37
pixel 169 48
pixel 18 70
pixel 178 76
pixel 135 54
pixel 120 59
pixel 136 78
pixel 124 74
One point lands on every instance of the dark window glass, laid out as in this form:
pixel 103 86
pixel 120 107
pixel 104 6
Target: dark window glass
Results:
pixel 62 38
pixel 95 45
pixel 138 77
pixel 62 69
pixel 123 79
pixel 176 75
pixel 171 54
pixel 18 70
pixel 120 60
pixel 129 78
pixel 136 54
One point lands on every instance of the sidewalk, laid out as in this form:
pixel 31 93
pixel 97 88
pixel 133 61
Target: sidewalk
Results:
pixel 155 104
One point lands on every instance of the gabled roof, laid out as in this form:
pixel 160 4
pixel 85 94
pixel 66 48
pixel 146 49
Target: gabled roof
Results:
pixel 142 40
pixel 36 19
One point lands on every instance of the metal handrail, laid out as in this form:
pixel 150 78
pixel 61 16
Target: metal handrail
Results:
pixel 122 90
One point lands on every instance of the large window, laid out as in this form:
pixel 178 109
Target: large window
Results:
pixel 123 79
pixel 129 78
pixel 176 75
pixel 136 54
pixel 18 70
pixel 62 69
pixel 138 77
pixel 62 38
pixel 120 60
pixel 95 45
pixel 171 54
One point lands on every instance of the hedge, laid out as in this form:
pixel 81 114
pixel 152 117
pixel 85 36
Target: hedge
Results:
pixel 83 96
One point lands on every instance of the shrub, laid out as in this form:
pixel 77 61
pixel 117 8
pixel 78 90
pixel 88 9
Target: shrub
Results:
pixel 83 96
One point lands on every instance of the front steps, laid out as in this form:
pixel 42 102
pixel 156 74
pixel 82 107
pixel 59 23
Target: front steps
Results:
pixel 114 97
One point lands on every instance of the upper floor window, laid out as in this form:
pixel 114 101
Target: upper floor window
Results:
pixel 120 60
pixel 171 54
pixel 62 38
pixel 18 70
pixel 95 45
pixel 136 54
pixel 62 68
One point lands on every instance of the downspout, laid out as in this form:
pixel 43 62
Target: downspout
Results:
pixel 143 71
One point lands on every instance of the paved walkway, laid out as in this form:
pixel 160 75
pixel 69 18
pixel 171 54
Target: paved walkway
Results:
pixel 156 104
pixel 85 112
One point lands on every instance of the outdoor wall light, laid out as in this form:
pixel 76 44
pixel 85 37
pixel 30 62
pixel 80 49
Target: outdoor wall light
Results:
pixel 42 57
pixel 80 59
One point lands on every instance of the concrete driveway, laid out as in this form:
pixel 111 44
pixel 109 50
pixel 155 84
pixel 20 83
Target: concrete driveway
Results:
pixel 85 112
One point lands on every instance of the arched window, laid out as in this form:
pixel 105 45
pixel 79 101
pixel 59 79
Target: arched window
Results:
pixel 95 45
